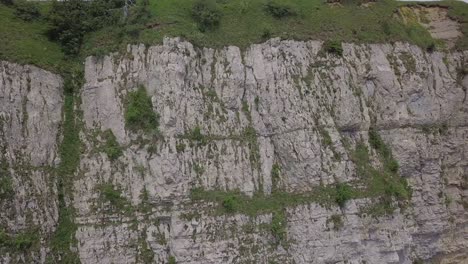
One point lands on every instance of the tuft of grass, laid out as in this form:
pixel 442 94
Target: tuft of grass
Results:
pixel 337 222
pixel 139 114
pixel 197 136
pixel 275 177
pixel 344 192
pixel 278 225
pixel 333 47
pixel 111 146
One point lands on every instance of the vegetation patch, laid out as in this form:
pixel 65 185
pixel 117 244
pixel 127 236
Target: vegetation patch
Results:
pixel 278 226
pixel 383 183
pixel 206 13
pixel 197 136
pixel 139 114
pixel 69 151
pixel 344 192
pixel 26 10
pixel 236 202
pixel 333 47
pixel 112 195
pixel 172 260
pixel 111 146
pixel 279 9
pixel 337 222
pixel 275 177
pixel 6 186
pixel 19 242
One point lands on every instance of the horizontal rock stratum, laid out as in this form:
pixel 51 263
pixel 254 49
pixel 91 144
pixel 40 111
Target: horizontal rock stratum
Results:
pixel 279 119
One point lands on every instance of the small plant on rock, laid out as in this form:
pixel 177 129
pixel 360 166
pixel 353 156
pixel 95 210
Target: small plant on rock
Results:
pixel 139 114
pixel 334 47
pixel 230 204
pixel 343 194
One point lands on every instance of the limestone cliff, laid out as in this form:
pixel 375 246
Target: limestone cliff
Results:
pixel 31 103
pixel 281 119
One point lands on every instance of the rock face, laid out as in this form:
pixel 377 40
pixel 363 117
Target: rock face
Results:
pixel 228 119
pixel 31 103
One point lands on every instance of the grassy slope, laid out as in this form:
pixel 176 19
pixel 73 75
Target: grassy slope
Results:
pixel 25 42
pixel 245 22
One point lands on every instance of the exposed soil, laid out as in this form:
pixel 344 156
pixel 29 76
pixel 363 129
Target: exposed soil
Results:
pixel 436 20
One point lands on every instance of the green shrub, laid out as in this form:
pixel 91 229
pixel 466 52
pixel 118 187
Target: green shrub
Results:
pixel 206 13
pixel 334 47
pixel 279 10
pixel 139 114
pixel 230 204
pixel 26 10
pixel 343 194
pixel 112 147
pixel 67 24
pixel 70 20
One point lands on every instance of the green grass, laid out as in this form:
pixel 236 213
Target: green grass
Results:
pixel 236 202
pixel 26 43
pixel 245 22
pixel 242 23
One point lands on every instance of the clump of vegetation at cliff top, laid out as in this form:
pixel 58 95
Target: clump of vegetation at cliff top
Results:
pixel 139 114
pixel 334 47
pixel 279 9
pixel 206 13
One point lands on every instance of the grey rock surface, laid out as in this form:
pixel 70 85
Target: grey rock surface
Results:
pixel 31 103
pixel 288 91
pixel 280 103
